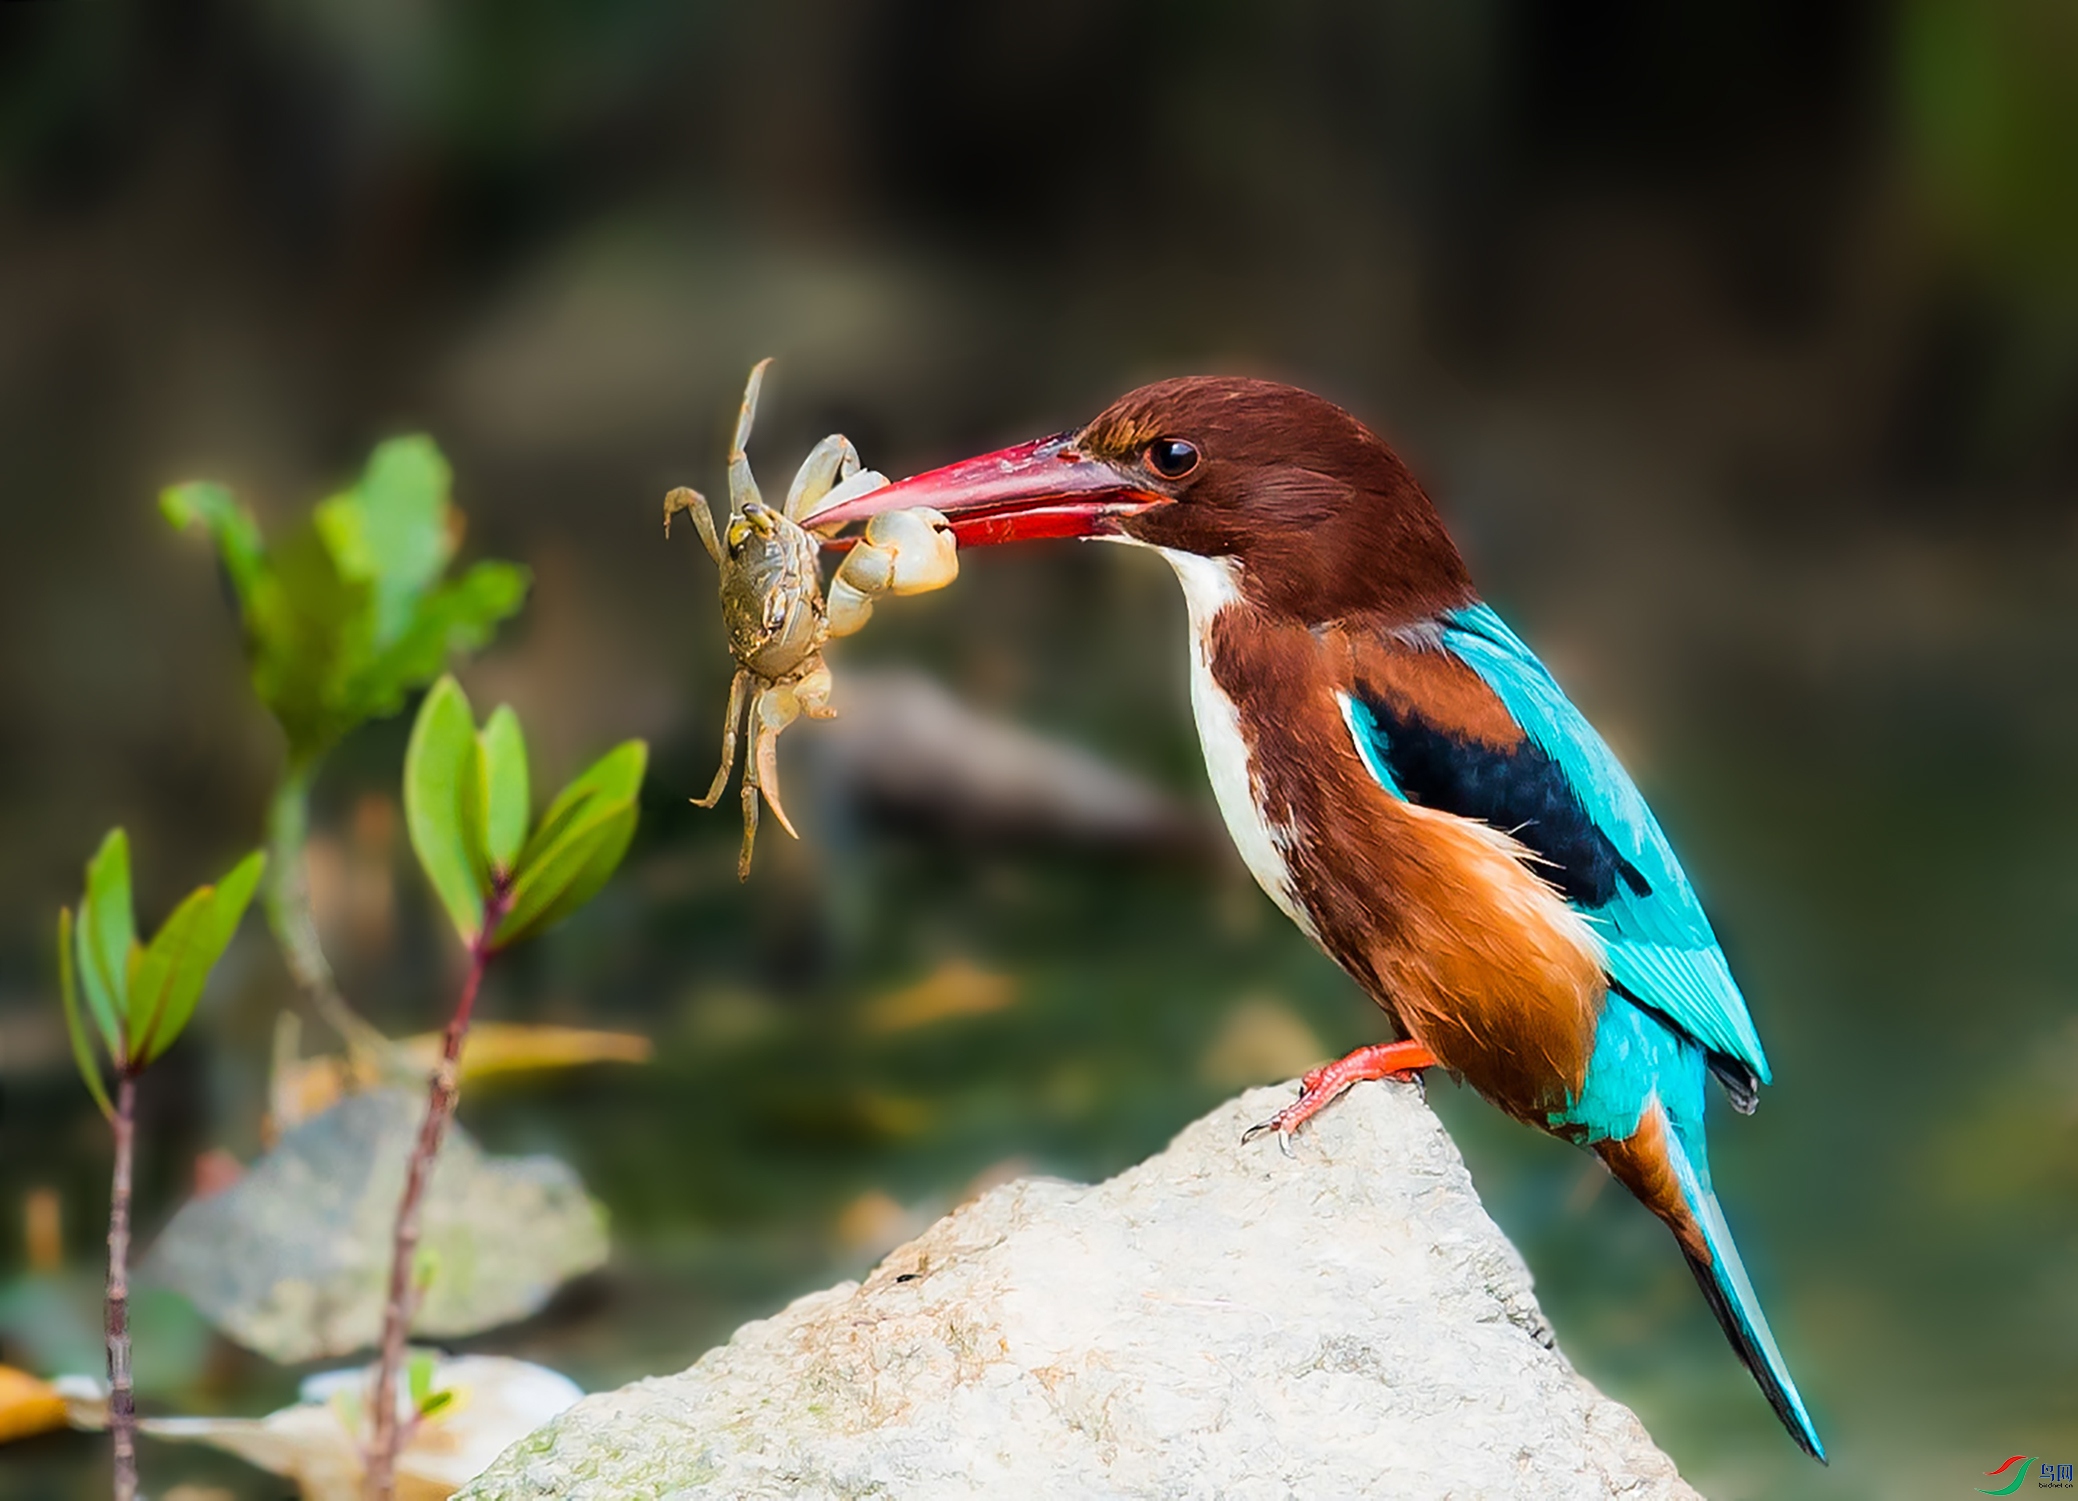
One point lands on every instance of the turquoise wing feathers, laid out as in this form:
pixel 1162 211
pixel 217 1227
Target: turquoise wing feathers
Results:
pixel 1660 947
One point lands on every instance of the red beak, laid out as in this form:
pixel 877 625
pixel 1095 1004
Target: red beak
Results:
pixel 1046 488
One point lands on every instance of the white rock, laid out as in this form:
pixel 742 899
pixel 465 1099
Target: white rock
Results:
pixel 1220 1321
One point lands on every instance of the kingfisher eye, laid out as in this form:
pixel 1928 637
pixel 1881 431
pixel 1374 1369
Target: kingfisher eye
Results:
pixel 1172 458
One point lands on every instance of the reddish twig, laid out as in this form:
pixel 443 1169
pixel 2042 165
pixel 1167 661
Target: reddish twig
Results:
pixel 386 1435
pixel 122 1403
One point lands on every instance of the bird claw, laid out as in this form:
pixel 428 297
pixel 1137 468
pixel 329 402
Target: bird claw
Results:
pixel 1284 1138
pixel 1287 1121
pixel 1281 1122
pixel 1324 1085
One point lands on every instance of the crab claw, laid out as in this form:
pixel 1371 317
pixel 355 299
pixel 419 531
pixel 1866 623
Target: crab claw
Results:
pixel 828 464
pixel 926 556
pixel 902 552
pixel 743 490
pixel 851 487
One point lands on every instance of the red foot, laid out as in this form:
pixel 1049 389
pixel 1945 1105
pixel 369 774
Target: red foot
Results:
pixel 1380 1060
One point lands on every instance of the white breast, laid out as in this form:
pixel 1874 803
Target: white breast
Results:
pixel 1208 588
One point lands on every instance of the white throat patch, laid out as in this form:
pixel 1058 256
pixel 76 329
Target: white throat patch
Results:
pixel 1209 586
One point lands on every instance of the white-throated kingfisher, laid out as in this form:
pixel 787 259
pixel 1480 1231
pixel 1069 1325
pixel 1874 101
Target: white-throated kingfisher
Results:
pixel 1412 788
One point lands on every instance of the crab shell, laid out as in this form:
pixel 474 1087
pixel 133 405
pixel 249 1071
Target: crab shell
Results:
pixel 772 594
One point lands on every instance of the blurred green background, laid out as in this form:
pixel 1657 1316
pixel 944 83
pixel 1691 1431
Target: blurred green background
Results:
pixel 1738 343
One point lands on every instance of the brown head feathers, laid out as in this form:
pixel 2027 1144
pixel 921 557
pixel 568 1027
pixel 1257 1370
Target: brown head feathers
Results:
pixel 1321 516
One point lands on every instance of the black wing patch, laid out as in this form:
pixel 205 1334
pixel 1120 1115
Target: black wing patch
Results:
pixel 1517 789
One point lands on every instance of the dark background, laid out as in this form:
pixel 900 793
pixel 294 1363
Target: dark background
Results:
pixel 1738 343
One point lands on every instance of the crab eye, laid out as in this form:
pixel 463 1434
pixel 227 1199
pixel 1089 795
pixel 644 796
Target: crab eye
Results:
pixel 1172 458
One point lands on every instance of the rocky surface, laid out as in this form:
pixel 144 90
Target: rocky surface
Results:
pixel 1220 1321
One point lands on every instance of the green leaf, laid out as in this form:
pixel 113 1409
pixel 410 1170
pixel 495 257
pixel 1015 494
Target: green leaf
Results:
pixel 166 990
pixel 437 767
pixel 616 776
pixel 301 616
pixel 348 616
pixel 107 934
pixel 156 979
pixel 458 616
pixel 568 873
pixel 230 526
pixel 418 1378
pixel 497 803
pixel 306 626
pixel 75 1025
pixel 394 529
pixel 436 1403
pixel 581 840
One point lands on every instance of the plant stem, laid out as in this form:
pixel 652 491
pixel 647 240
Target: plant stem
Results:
pixel 122 1404
pixel 286 897
pixel 386 1436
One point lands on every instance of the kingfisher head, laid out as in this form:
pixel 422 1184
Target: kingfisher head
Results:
pixel 1315 517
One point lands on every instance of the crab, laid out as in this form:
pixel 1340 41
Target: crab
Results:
pixel 773 605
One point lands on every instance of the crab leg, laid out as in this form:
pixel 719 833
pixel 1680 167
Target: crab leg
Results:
pixel 743 489
pixel 770 712
pixel 812 692
pixel 739 688
pixel 692 501
pixel 774 711
pixel 750 818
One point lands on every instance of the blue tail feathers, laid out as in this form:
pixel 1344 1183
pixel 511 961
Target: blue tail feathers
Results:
pixel 1732 1299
